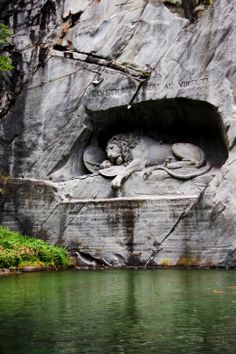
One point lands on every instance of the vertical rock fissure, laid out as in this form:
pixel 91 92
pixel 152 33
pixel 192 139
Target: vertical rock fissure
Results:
pixel 156 244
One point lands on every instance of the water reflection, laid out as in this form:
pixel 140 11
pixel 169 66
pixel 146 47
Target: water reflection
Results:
pixel 169 311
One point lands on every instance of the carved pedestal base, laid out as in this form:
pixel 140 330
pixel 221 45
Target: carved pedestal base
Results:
pixel 132 231
pixel 153 231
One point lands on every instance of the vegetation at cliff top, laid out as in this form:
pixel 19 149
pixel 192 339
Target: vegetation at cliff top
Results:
pixel 20 251
pixel 5 62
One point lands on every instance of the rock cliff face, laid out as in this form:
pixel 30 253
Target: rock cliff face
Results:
pixel 89 69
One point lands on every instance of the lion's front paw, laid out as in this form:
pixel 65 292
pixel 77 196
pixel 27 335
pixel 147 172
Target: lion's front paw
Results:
pixel 147 173
pixel 105 164
pixel 116 183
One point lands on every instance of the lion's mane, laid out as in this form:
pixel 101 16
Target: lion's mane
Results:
pixel 125 142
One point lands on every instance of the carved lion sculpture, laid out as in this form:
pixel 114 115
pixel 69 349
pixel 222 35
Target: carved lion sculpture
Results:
pixel 136 152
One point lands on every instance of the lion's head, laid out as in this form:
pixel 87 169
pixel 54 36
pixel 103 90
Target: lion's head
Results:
pixel 119 148
pixel 114 153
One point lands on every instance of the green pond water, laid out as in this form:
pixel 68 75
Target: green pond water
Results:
pixel 119 311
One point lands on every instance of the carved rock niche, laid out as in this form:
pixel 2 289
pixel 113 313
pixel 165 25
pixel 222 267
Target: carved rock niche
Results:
pixel 167 122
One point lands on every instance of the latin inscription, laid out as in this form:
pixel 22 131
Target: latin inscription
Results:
pixel 182 84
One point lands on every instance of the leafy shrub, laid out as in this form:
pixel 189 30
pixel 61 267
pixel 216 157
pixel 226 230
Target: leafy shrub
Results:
pixel 9 259
pixel 17 250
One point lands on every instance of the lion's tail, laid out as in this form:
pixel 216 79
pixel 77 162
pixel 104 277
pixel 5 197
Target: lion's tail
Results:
pixel 186 176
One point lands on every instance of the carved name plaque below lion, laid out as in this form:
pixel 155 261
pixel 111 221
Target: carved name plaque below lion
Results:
pixel 128 153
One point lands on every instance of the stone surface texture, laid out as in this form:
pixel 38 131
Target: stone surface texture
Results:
pixel 84 69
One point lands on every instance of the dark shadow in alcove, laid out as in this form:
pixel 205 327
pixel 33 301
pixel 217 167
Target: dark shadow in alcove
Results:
pixel 187 8
pixel 170 120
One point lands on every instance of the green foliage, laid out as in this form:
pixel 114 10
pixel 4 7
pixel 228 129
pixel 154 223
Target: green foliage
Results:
pixel 5 63
pixel 5 34
pixel 8 259
pixel 17 250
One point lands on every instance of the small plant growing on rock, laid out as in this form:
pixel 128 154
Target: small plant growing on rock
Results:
pixel 5 61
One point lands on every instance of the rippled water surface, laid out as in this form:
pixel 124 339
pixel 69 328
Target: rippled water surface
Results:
pixel 119 311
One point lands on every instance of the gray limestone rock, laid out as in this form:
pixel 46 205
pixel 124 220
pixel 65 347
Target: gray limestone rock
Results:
pixel 88 70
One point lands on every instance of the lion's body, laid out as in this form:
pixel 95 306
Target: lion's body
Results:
pixel 153 152
pixel 137 152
